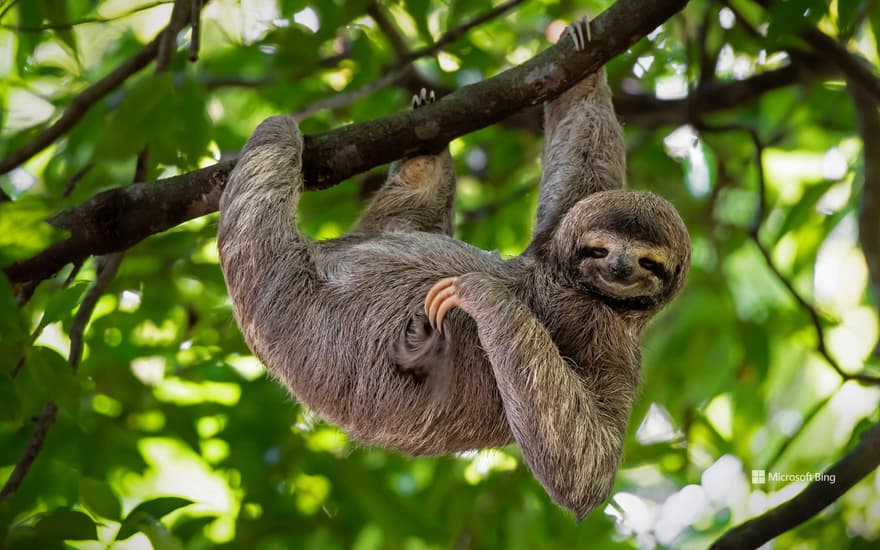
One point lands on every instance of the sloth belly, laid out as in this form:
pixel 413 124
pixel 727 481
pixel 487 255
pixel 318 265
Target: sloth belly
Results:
pixel 347 367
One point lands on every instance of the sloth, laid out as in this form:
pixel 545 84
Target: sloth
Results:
pixel 412 340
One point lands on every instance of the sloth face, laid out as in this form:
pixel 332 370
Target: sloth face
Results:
pixel 621 268
pixel 629 248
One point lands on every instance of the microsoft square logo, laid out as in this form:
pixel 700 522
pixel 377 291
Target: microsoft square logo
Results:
pixel 759 477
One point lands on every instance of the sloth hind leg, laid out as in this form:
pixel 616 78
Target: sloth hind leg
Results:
pixel 419 194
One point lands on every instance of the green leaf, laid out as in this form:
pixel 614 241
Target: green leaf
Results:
pixel 62 304
pixel 10 408
pixel 57 14
pixel 159 536
pixel 54 376
pixel 100 498
pixel 789 17
pixel 142 117
pixel 847 13
pixel 155 509
pixel 66 524
pixel 23 228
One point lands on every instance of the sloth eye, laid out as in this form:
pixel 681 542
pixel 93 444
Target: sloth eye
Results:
pixel 649 264
pixel 591 252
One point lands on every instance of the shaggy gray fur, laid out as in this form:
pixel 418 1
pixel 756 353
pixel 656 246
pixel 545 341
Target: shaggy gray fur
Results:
pixel 538 352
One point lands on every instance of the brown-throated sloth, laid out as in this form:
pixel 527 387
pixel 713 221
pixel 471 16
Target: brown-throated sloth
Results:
pixel 542 349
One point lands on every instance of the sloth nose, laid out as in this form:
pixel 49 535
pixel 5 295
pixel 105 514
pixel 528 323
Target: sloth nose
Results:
pixel 620 268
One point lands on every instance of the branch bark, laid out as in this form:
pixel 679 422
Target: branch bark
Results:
pixel 121 217
pixel 848 471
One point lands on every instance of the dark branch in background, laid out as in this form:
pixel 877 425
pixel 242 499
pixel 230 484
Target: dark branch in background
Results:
pixel 869 217
pixel 848 471
pixel 377 14
pixel 85 101
pixel 118 218
pixel 195 26
pixel 850 65
pixel 35 444
pixel 754 233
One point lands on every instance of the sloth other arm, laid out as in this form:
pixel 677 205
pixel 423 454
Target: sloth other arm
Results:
pixel 584 150
pixel 570 429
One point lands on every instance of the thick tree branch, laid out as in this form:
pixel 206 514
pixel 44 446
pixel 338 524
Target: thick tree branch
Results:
pixel 848 471
pixel 118 218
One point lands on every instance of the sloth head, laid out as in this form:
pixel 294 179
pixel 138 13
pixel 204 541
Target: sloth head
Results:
pixel 628 248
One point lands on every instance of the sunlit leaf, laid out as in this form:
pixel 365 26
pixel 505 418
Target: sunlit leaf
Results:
pixel 100 498
pixel 66 524
pixel 147 513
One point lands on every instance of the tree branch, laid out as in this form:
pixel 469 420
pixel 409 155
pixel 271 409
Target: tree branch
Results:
pixel 120 217
pixel 35 444
pixel 848 471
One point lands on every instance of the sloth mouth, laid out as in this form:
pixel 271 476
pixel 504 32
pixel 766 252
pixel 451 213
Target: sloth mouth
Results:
pixel 623 289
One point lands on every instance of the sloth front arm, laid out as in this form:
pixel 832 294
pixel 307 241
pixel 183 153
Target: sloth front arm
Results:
pixel 569 437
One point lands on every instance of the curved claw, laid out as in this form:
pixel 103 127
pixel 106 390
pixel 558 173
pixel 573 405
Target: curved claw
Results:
pixel 423 98
pixel 440 299
pixel 580 33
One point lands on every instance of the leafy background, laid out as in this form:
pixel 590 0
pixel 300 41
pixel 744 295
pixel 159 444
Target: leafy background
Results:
pixel 171 434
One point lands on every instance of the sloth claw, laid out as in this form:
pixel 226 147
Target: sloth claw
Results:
pixel 423 98
pixel 579 31
pixel 441 298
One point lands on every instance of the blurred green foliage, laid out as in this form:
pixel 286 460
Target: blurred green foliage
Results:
pixel 171 434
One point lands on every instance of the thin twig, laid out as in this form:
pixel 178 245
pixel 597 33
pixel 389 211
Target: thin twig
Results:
pixel 108 266
pixel 35 444
pixel 75 179
pixel 846 472
pixel 195 30
pixel 180 17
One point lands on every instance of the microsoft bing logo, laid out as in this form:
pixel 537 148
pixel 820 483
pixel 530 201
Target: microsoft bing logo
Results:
pixel 759 477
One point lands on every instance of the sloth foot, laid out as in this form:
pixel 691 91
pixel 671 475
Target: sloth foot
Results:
pixel 579 31
pixel 423 98
pixel 442 297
